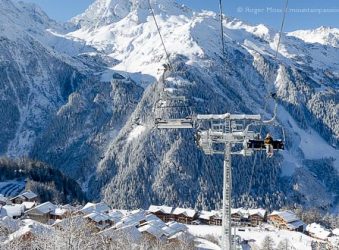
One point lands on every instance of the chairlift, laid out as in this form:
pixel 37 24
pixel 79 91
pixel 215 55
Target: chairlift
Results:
pixel 258 143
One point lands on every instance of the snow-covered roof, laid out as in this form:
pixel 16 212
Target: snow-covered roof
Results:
pixel 287 216
pixel 295 224
pixel 183 236
pixel 97 207
pixel 134 218
pixel 98 217
pixel 259 211
pixel 152 219
pixel 30 226
pixel 28 204
pixel 163 209
pixel 29 195
pixel 206 215
pixel 116 216
pixel 318 231
pixel 336 231
pixel 43 208
pixel 59 211
pixel 153 230
pixel 177 226
pixel 12 210
pixel 249 212
pixel 185 211
pixel 129 232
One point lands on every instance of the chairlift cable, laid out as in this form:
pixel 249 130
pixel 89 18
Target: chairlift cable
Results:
pixel 160 35
pixel 266 100
pixel 222 29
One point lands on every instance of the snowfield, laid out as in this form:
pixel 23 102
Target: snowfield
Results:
pixel 256 236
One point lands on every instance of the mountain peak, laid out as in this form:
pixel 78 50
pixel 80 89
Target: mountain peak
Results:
pixel 322 35
pixel 104 12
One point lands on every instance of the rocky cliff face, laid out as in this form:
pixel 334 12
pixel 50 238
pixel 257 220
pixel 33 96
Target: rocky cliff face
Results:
pixel 94 110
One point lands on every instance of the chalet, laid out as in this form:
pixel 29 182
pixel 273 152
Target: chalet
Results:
pixel 42 213
pixel 151 219
pixel 135 218
pixel 182 238
pixel 25 196
pixel 29 205
pixel 286 220
pixel 257 216
pixel 60 213
pixel 184 215
pixel 210 218
pixel 238 214
pixel 99 220
pixel 317 231
pixel 28 231
pixel 130 233
pixel 116 216
pixel 175 227
pixel 163 212
pixel 152 233
pixel 101 207
pixel 13 211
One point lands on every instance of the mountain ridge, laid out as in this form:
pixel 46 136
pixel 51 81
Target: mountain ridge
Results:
pixel 114 152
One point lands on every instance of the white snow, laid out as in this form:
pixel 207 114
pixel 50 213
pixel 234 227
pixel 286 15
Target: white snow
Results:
pixel 310 142
pixel 296 239
pixel 318 231
pixel 136 132
pixel 322 35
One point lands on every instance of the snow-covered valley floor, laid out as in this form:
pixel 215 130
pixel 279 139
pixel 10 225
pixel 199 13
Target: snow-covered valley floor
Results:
pixel 255 236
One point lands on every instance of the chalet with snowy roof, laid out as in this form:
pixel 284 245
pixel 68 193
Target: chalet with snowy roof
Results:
pixel 99 220
pixel 13 211
pixel 286 220
pixel 61 213
pixel 317 231
pixel 184 215
pixel 28 231
pixel 249 217
pixel 130 233
pixel 182 238
pixel 237 214
pixel 257 216
pixel 42 213
pixel 163 212
pixel 135 218
pixel 152 233
pixel 29 204
pixel 101 207
pixel 210 218
pixel 116 216
pixel 27 196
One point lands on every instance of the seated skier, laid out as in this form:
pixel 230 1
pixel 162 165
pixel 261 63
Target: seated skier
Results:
pixel 269 145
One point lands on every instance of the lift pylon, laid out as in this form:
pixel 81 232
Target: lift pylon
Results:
pixel 226 134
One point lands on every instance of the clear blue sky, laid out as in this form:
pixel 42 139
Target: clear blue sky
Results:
pixel 304 14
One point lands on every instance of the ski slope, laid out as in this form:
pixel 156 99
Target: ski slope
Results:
pixel 11 188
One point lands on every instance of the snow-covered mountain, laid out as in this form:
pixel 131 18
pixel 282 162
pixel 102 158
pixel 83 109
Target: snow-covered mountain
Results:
pixel 99 126
pixel 322 35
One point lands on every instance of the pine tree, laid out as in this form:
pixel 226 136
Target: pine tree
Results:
pixel 284 245
pixel 268 243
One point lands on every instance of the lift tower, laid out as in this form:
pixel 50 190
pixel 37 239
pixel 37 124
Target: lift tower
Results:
pixel 227 134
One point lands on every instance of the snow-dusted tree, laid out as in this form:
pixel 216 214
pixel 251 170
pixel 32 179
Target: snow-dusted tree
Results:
pixel 284 245
pixel 268 243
